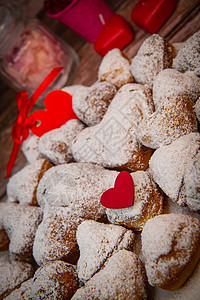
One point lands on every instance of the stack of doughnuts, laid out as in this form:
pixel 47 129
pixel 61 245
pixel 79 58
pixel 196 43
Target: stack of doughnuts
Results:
pixel 142 117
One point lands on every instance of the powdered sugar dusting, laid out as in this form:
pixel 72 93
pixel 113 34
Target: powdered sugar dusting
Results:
pixel 168 163
pixel 165 234
pixel 23 292
pixel 188 56
pixel 148 202
pixel 115 68
pixel 22 186
pixel 112 142
pixel 30 148
pixel 171 83
pixel 91 103
pixel 56 236
pixel 191 183
pixel 173 119
pixel 122 278
pixel 12 274
pixel 197 109
pixel 154 55
pixel 55 145
pixel 77 186
pixel 98 241
pixel 188 291
pixel 20 223
pixel 54 280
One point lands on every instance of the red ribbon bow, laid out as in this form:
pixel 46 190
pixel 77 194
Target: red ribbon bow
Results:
pixel 20 130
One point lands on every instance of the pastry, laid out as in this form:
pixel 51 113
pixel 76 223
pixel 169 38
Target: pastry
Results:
pixel 55 145
pixel 54 280
pixel 91 103
pixel 148 202
pixel 173 167
pixel 12 274
pixel 23 292
pixel 56 236
pixel 190 190
pixel 77 186
pixel 71 89
pixel 187 58
pixel 171 249
pixel 197 109
pixel 122 277
pixel 154 55
pixel 171 83
pixel 4 239
pixel 22 186
pixel 173 119
pixel 112 143
pixel 30 148
pixel 20 223
pixel 115 68
pixel 97 242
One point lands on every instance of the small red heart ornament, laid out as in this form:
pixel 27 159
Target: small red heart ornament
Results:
pixel 122 195
pixel 58 111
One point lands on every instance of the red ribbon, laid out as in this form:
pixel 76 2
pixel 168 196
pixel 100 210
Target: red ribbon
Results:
pixel 20 130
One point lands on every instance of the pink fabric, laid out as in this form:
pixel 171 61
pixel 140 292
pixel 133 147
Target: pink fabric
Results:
pixel 82 16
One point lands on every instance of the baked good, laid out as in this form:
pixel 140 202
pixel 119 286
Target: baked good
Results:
pixel 55 237
pixel 122 277
pixel 197 109
pixel 23 292
pixel 97 242
pixel 69 194
pixel 170 83
pixel 22 186
pixel 190 190
pixel 190 290
pixel 148 202
pixel 113 143
pixel 168 166
pixel 187 58
pixel 30 148
pixel 71 89
pixel 20 223
pixel 12 274
pixel 91 103
pixel 77 186
pixel 115 68
pixel 54 280
pixel 4 239
pixel 154 55
pixel 55 145
pixel 174 118
pixel 171 249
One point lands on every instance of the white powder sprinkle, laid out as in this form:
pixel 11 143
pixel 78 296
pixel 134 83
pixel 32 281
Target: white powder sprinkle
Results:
pixel 97 242
pixel 55 145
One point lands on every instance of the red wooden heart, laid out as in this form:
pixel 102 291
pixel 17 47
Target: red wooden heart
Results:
pixel 58 111
pixel 122 195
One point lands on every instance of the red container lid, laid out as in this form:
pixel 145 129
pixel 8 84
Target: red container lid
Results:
pixel 116 33
pixel 150 15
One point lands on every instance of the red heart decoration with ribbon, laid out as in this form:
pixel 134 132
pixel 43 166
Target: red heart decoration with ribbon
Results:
pixel 122 195
pixel 58 111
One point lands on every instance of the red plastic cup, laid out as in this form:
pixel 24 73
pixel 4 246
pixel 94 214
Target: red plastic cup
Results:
pixel 83 17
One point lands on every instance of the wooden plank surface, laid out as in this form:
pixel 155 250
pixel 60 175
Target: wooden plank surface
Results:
pixel 184 21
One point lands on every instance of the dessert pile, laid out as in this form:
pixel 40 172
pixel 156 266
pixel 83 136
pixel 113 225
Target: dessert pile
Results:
pixel 141 116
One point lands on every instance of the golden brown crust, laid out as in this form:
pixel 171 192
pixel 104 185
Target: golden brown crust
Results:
pixel 148 203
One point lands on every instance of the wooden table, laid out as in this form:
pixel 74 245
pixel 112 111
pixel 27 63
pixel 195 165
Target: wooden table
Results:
pixel 184 22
